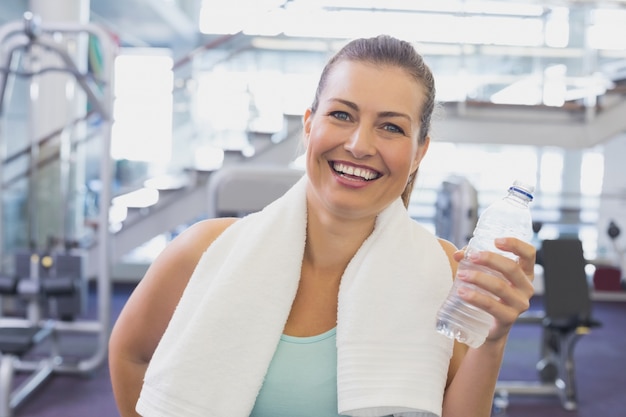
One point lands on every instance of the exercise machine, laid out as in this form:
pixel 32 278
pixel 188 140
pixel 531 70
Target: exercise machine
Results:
pixel 47 286
pixel 565 319
pixel 457 210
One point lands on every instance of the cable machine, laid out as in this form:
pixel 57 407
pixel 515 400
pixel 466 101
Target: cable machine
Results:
pixel 49 282
pixel 457 210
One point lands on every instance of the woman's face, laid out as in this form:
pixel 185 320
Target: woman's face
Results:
pixel 362 142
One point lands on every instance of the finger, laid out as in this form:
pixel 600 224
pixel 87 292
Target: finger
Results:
pixel 525 251
pixel 512 271
pixel 504 314
pixel 458 255
pixel 503 291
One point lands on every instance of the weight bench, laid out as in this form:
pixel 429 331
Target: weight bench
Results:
pixel 565 319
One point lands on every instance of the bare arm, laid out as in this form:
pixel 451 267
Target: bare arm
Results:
pixel 147 312
pixel 474 372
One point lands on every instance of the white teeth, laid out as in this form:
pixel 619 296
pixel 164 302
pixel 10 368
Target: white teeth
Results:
pixel 366 174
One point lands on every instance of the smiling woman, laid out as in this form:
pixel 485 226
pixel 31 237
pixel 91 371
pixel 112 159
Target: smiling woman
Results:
pixel 330 292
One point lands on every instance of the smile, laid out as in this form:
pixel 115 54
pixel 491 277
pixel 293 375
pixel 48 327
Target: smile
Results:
pixel 354 172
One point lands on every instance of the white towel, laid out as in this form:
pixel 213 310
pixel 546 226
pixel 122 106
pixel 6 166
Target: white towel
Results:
pixel 213 357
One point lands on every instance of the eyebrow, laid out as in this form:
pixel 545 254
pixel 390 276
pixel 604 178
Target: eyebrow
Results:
pixel 381 114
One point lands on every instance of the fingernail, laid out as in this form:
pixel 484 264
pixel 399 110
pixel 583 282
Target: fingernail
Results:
pixel 473 256
pixel 462 273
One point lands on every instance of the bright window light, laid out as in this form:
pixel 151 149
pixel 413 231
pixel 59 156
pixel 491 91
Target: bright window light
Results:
pixel 219 17
pixel 142 129
pixel 557 28
pixel 603 34
pixel 269 23
pixel 592 173
pixel 222 102
pixel 551 171
pixel 480 164
pixel 554 85
pixel 226 21
pixel 479 22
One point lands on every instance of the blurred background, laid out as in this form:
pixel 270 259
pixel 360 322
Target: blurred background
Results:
pixel 115 115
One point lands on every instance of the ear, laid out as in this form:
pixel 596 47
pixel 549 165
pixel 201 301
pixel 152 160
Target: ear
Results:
pixel 306 121
pixel 419 154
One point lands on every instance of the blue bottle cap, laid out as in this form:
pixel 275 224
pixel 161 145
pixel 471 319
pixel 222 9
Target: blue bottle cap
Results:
pixel 523 189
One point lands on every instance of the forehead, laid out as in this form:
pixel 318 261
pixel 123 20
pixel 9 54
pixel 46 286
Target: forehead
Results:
pixel 388 87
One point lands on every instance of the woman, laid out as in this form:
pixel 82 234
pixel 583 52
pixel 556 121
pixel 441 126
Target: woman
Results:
pixel 365 274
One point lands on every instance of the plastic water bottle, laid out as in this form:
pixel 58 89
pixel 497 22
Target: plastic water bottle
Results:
pixel 507 217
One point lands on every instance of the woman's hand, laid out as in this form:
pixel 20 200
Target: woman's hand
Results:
pixel 512 294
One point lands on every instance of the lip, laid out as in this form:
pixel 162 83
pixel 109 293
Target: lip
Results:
pixel 352 181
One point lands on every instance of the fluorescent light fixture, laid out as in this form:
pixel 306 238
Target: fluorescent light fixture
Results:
pixel 505 8
pixel 440 6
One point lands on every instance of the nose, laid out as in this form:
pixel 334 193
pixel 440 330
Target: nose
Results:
pixel 361 143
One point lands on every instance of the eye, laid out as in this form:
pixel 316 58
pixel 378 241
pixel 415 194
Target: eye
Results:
pixel 340 115
pixel 390 127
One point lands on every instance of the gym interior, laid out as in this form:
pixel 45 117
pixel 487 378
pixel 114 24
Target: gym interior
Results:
pixel 122 122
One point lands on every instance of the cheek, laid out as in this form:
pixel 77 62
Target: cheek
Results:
pixel 314 148
pixel 399 159
pixel 320 141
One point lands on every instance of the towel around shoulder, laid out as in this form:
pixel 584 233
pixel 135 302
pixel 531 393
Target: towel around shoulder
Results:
pixel 213 357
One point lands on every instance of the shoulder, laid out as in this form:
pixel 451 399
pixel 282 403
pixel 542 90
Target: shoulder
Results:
pixel 450 249
pixel 168 275
pixel 188 247
pixel 150 307
pixel 447 246
pixel 202 234
pixel 173 267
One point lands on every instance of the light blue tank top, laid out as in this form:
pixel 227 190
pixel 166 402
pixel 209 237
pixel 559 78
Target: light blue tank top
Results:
pixel 302 379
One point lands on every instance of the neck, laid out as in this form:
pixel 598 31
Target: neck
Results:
pixel 331 243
